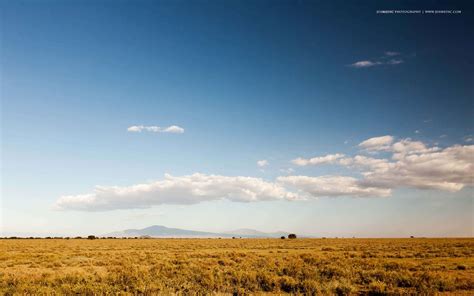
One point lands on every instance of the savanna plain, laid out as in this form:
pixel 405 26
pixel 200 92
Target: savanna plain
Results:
pixel 237 266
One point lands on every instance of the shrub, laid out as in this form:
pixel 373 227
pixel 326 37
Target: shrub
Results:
pixel 288 284
pixel 291 236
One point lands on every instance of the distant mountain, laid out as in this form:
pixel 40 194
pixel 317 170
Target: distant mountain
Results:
pixel 245 232
pixel 163 231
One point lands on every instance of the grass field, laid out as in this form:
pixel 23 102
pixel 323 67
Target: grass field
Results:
pixel 243 266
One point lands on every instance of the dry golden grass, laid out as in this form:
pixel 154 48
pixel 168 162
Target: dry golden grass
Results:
pixel 241 266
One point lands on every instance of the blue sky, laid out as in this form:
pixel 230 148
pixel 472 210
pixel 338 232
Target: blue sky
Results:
pixel 246 81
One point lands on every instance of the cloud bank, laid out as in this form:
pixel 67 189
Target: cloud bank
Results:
pixel 412 164
pixel 190 189
pixel 173 129
pixel 407 164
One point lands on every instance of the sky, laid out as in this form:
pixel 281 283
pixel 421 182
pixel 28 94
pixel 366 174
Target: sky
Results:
pixel 322 118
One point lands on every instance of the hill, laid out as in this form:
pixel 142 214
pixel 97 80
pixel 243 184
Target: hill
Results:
pixel 163 231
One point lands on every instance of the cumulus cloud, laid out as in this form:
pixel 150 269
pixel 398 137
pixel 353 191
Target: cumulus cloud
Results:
pixel 327 159
pixel 190 189
pixel 365 163
pixel 332 186
pixel 377 143
pixel 408 164
pixel 174 129
pixel 418 166
pixel 262 163
pixel 412 164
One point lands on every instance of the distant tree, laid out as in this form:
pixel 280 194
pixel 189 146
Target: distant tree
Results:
pixel 411 236
pixel 291 236
pixel 91 237
pixel 233 237
pixel 282 237
pixel 78 237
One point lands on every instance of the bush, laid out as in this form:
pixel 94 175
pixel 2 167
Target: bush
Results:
pixel 291 236
pixel 288 284
pixel 91 237
pixel 377 288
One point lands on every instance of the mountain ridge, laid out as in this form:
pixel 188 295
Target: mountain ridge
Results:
pixel 163 231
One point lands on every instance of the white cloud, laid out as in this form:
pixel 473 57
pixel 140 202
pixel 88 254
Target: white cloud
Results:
pixel 387 59
pixel 364 64
pixel 377 143
pixel 327 159
pixel 395 62
pixel 417 166
pixel 363 162
pixel 135 128
pixel 332 186
pixel 262 163
pixel 156 129
pixel 412 165
pixel 174 129
pixel 408 146
pixel 190 189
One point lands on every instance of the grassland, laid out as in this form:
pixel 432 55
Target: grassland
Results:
pixel 240 266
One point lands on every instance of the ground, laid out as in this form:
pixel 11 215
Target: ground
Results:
pixel 237 266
